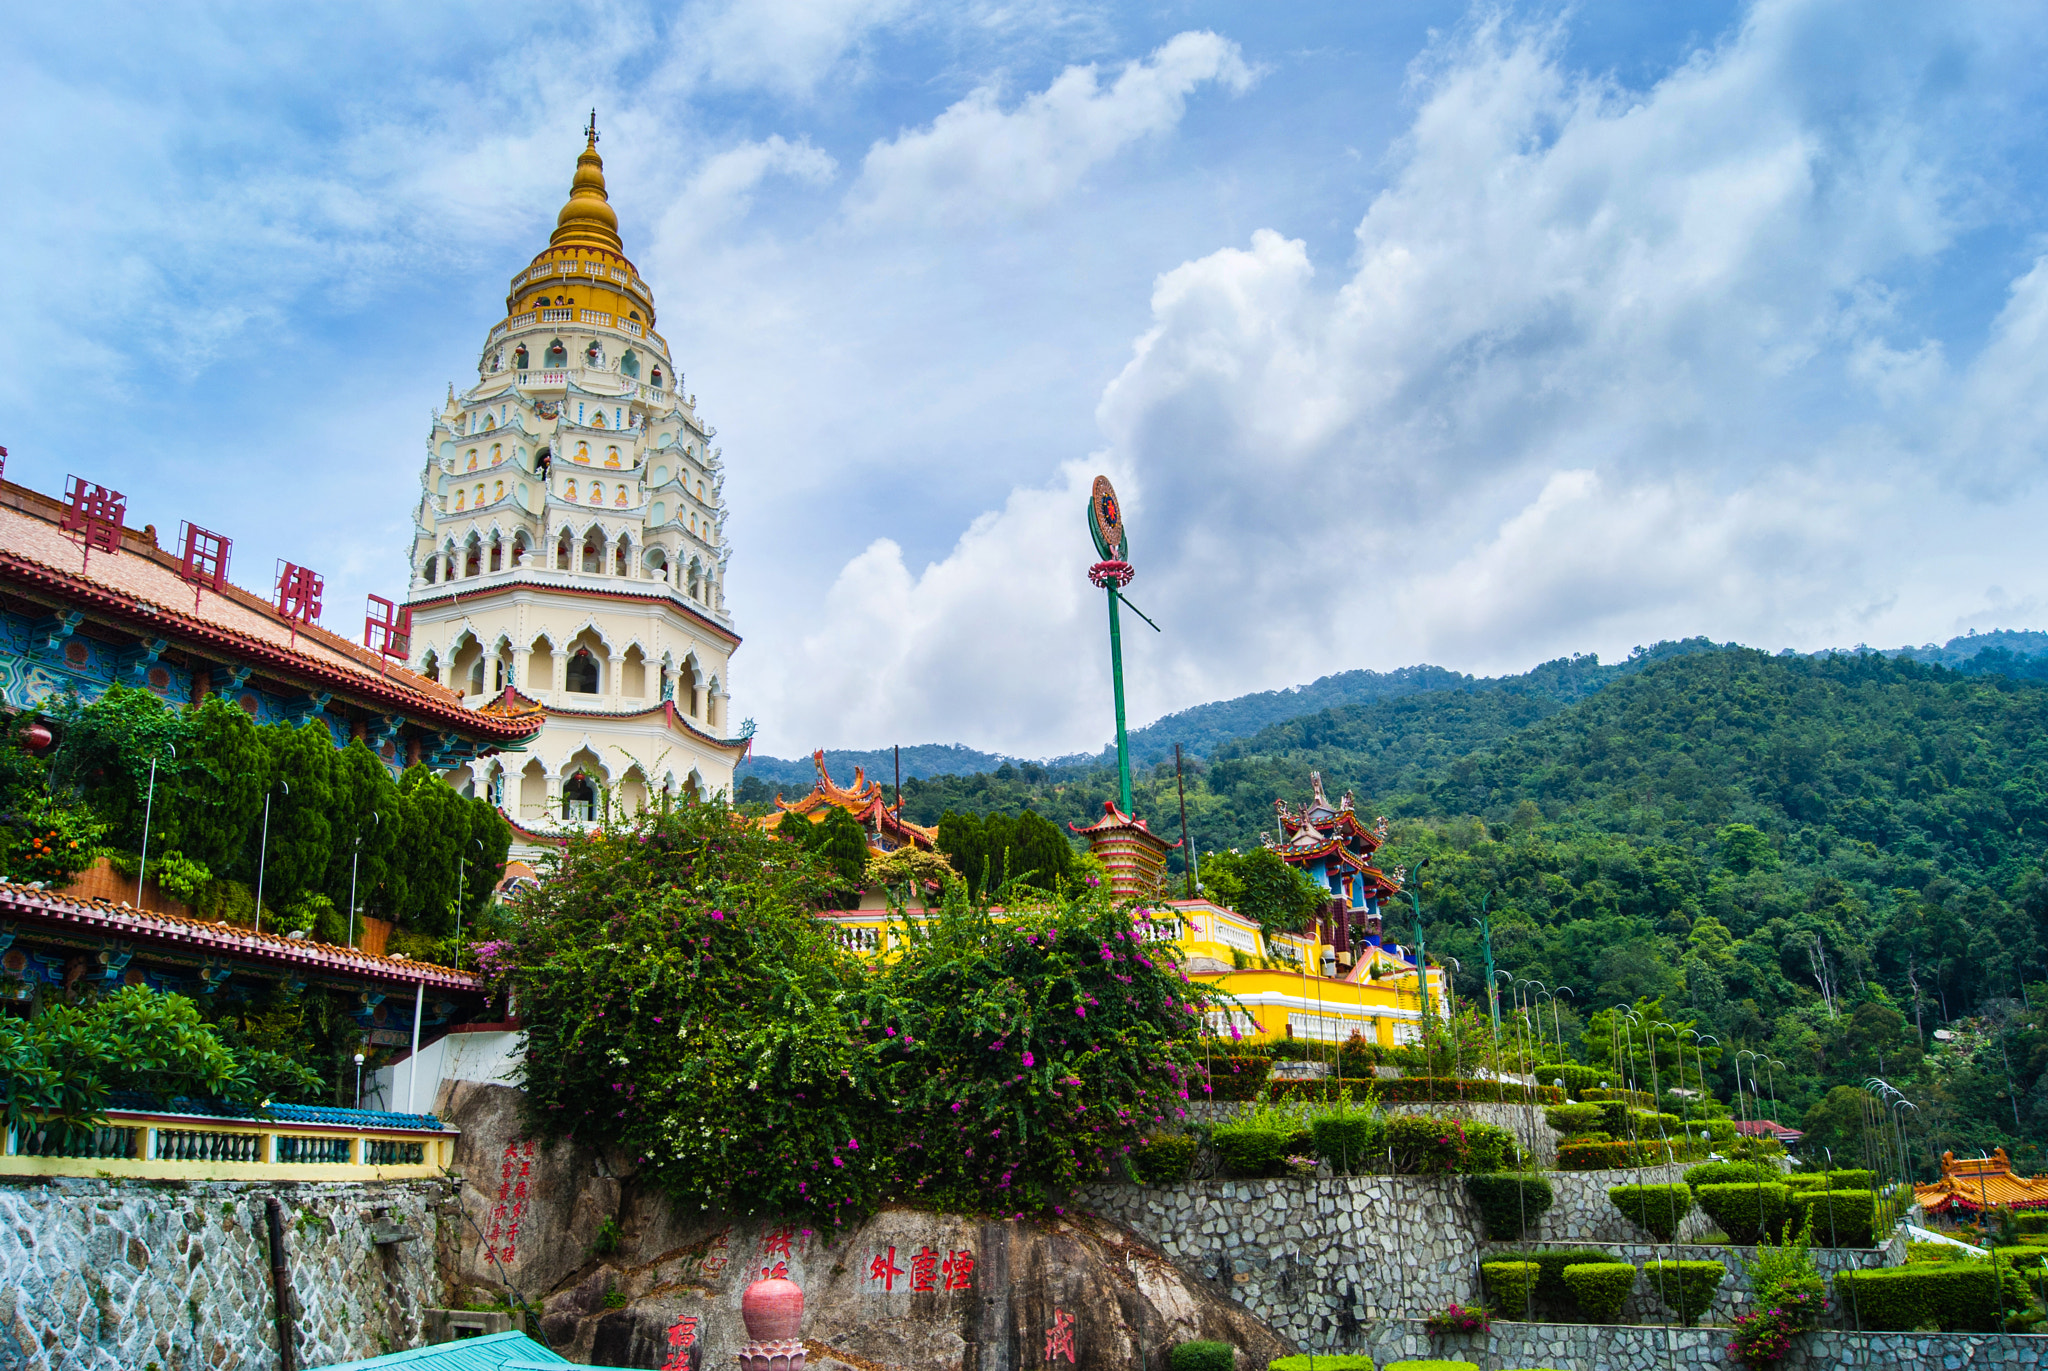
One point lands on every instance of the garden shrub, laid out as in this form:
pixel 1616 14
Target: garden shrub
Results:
pixel 1852 1180
pixel 1349 1139
pixel 1238 1078
pixel 1511 1287
pixel 1165 1159
pixel 1202 1356
pixel 1745 1210
pixel 1571 1119
pixel 1601 1288
pixel 1969 1296
pixel 1658 1208
pixel 1638 1099
pixel 1840 1218
pixel 1322 1361
pixel 1613 1117
pixel 1581 1155
pixel 1508 1203
pixel 1687 1288
pixel 1493 1148
pixel 1423 1145
pixel 1728 1173
pixel 1576 1078
pixel 1551 1291
pixel 1419 1090
pixel 1251 1150
pixel 2036 1222
pixel 1647 1123
pixel 1810 1181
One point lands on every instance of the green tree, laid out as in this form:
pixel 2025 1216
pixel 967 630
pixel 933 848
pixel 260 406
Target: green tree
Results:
pixel 301 843
pixel 1266 889
pixel 367 826
pixel 842 845
pixel 224 767
pixel 106 752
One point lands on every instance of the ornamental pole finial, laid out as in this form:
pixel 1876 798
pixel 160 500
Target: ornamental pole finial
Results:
pixel 591 130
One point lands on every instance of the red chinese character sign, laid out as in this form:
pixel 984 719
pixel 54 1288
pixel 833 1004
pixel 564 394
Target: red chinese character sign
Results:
pixel 95 513
pixel 515 1171
pixel 682 1339
pixel 204 561
pixel 1059 1339
pixel 298 592
pixel 387 629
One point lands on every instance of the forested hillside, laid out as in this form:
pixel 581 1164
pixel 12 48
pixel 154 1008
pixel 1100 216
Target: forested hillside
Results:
pixel 1822 859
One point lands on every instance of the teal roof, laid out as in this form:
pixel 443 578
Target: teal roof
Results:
pixel 493 1352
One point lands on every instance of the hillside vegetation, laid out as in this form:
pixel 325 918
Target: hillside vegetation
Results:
pixel 1822 859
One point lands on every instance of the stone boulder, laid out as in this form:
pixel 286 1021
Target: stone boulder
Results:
pixel 907 1289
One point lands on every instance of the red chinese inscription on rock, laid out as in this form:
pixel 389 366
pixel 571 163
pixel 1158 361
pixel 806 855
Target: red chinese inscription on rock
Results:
pixel 884 1269
pixel 1059 1339
pixel 682 1336
pixel 957 1270
pixel 924 1269
pixel 515 1172
pixel 720 1256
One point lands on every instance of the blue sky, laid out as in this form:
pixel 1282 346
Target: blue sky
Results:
pixel 1410 332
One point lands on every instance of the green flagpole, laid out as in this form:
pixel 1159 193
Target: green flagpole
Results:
pixel 1116 672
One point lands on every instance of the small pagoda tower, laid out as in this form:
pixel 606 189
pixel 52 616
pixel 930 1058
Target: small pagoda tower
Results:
pixel 1134 854
pixel 884 826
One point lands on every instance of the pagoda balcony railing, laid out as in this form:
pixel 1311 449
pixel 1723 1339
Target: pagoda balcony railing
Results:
pixel 630 327
pixel 297 1142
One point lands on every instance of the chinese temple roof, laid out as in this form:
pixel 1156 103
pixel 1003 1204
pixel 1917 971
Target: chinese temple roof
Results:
pixel 198 940
pixel 138 588
pixel 1114 820
pixel 1974 1183
pixel 1321 831
pixel 1766 1128
pixel 864 799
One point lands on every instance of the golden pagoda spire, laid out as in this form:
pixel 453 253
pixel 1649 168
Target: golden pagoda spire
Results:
pixel 587 220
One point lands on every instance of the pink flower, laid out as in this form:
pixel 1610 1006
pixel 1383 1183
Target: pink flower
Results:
pixel 1030 1060
pixel 718 915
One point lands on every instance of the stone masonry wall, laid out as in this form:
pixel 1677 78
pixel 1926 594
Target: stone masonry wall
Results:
pixel 1318 1259
pixel 1524 1121
pixel 102 1275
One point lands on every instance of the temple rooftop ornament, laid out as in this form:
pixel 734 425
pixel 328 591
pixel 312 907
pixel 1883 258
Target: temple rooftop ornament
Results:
pixel 1333 847
pixel 885 827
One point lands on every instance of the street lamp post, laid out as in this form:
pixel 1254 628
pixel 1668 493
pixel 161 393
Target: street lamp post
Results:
pixel 1557 1024
pixel 461 875
pixel 1486 943
pixel 1421 942
pixel 376 818
pixel 359 1080
pixel 263 853
pixel 148 809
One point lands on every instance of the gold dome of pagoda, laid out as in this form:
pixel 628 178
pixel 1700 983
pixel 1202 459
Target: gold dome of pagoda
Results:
pixel 588 220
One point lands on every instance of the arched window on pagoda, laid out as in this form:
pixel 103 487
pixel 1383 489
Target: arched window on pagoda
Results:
pixel 654 378
pixel 431 667
pixel 519 545
pixel 579 797
pixel 473 556
pixel 519 357
pixel 593 551
pixel 428 569
pixel 557 355
pixel 562 552
pixel 620 565
pixel 582 673
pixel 497 555
pixel 476 675
pixel 630 364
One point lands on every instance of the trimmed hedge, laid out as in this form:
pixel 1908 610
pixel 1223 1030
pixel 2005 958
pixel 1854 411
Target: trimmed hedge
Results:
pixel 1687 1288
pixel 1507 1202
pixel 1728 1173
pixel 1811 1181
pixel 1424 1145
pixel 1511 1287
pixel 1745 1210
pixel 2022 1258
pixel 1575 1077
pixel 1658 1208
pixel 1324 1361
pixel 1238 1078
pixel 1639 1099
pixel 1348 1141
pixel 1570 1119
pixel 1602 1156
pixel 1601 1288
pixel 1959 1297
pixel 1841 1218
pixel 1852 1180
pixel 1428 1366
pixel 2031 1223
pixel 1550 1287
pixel 1164 1160
pixel 1417 1090
pixel 1202 1356
pixel 1252 1151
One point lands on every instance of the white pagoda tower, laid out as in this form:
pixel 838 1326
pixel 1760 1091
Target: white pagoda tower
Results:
pixel 568 555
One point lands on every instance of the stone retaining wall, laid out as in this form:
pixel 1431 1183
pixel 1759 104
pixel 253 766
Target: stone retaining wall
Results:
pixel 111 1276
pixel 1319 1258
pixel 1594 1347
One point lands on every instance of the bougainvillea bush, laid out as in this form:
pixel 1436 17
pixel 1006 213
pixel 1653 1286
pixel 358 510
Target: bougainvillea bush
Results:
pixel 688 1011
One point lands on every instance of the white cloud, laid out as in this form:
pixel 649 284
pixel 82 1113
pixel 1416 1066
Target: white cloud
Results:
pixel 723 189
pixel 978 160
pixel 1608 366
pixel 789 47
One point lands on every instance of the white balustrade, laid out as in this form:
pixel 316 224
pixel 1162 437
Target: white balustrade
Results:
pixel 557 316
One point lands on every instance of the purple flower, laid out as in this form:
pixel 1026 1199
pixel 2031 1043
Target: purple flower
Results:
pixel 718 915
pixel 1030 1060
pixel 1081 1010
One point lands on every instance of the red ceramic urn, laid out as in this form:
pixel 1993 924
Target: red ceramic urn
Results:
pixel 773 1309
